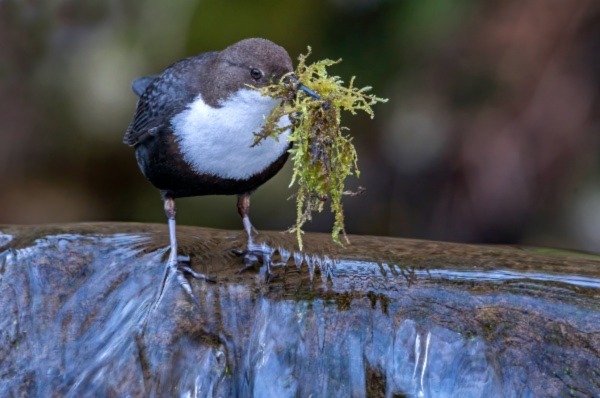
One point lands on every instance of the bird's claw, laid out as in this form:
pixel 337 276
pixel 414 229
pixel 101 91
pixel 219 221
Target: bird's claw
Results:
pixel 182 269
pixel 256 255
pixel 183 266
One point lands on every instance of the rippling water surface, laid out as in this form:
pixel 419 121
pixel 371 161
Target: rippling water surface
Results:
pixel 82 315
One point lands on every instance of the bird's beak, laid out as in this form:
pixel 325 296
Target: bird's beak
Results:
pixel 302 87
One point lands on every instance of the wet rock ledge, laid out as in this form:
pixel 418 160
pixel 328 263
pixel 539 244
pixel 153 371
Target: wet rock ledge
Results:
pixel 81 315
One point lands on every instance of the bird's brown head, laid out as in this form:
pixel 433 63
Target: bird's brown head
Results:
pixel 250 62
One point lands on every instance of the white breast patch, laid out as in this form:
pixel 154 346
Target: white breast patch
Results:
pixel 219 141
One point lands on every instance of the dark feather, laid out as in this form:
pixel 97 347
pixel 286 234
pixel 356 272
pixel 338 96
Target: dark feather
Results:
pixel 140 84
pixel 164 96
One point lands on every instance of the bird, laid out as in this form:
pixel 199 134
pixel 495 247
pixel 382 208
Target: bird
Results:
pixel 194 128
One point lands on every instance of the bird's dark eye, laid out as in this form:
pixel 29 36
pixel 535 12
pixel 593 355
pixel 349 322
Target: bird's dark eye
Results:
pixel 256 73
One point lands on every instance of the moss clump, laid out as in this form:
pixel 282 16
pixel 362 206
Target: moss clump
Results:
pixel 322 153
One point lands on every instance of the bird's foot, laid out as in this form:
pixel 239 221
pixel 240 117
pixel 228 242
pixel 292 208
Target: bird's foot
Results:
pixel 254 255
pixel 183 266
pixel 182 269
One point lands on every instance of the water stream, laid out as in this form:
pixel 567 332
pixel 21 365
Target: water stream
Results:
pixel 382 318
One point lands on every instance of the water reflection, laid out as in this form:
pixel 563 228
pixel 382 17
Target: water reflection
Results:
pixel 5 239
pixel 80 318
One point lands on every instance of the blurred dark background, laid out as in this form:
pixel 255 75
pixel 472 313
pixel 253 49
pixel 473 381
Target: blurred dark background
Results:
pixel 490 134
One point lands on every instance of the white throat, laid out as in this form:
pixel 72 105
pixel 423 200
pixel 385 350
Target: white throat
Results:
pixel 219 141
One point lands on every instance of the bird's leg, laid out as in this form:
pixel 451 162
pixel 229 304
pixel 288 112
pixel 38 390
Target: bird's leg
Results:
pixel 243 205
pixel 254 253
pixel 179 264
pixel 170 212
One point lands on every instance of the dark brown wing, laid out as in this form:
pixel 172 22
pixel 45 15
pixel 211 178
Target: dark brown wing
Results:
pixel 163 97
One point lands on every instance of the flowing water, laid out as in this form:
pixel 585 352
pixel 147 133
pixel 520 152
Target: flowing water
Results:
pixel 82 314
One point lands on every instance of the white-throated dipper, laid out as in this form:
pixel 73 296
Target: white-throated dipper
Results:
pixel 193 130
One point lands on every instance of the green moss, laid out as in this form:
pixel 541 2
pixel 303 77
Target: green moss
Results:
pixel 322 153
